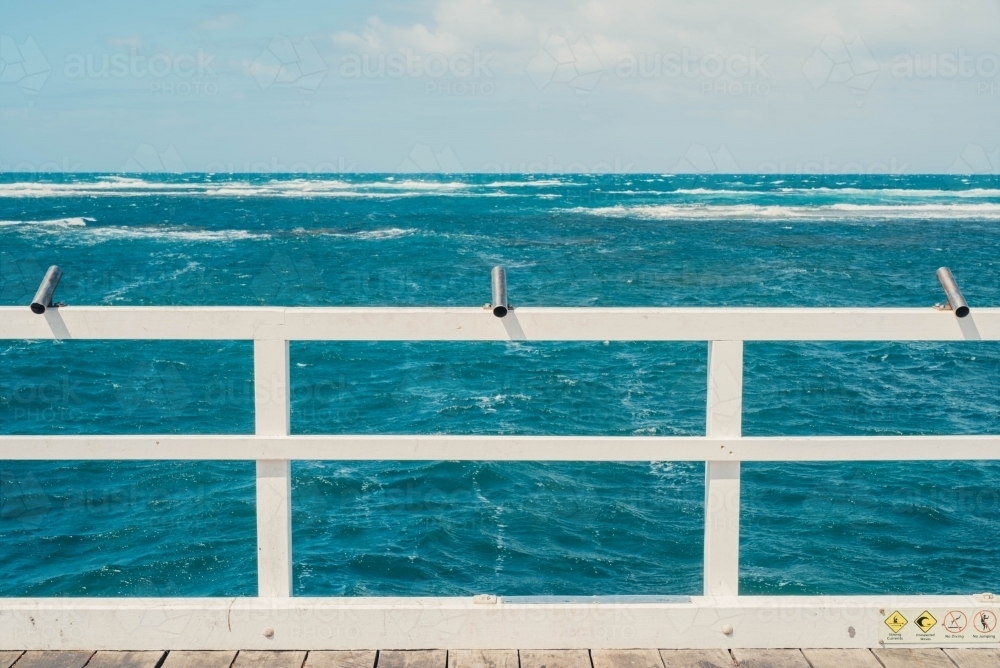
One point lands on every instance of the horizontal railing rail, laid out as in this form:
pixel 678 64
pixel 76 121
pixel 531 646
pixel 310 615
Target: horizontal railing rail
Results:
pixel 503 448
pixel 477 324
pixel 722 447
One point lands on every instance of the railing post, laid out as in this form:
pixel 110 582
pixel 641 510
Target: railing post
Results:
pixel 274 476
pixel 722 478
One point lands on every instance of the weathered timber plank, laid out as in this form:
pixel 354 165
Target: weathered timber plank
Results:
pixel 341 659
pixel 55 659
pixel 913 658
pixel 626 658
pixel 107 659
pixel 975 657
pixel 188 659
pixel 841 658
pixel 555 658
pixel 696 658
pixel 418 658
pixel 269 659
pixel 770 658
pixel 483 658
pixel 7 658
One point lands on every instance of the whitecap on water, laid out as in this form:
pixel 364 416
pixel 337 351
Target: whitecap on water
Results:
pixel 826 212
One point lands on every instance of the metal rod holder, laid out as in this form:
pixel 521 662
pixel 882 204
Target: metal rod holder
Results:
pixel 955 299
pixel 43 298
pixel 499 302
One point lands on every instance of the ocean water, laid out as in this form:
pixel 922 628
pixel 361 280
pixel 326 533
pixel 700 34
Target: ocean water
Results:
pixel 447 528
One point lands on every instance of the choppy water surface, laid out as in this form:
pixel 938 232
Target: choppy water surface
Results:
pixel 178 528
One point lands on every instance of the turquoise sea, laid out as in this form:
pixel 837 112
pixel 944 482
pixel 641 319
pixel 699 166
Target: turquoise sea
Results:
pixel 448 528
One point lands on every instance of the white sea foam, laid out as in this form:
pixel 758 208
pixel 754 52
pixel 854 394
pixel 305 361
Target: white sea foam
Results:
pixel 869 192
pixel 171 234
pixel 540 183
pixel 134 187
pixel 363 235
pixel 78 230
pixel 842 211
pixel 55 222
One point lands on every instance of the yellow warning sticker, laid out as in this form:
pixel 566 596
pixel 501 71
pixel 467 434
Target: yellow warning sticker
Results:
pixel 925 621
pixel 895 621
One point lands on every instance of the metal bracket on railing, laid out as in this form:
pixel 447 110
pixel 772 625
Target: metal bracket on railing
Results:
pixel 43 298
pixel 956 302
pixel 499 303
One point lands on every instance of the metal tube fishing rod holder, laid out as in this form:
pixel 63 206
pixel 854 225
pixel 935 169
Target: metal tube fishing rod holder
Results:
pixel 499 302
pixel 43 298
pixel 955 299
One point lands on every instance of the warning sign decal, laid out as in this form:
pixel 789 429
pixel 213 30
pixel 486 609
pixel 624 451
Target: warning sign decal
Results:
pixel 895 621
pixel 984 621
pixel 953 627
pixel 925 621
pixel 955 621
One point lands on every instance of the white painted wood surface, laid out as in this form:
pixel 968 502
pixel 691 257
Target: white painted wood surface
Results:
pixel 524 623
pixel 274 476
pixel 503 448
pixel 722 477
pixel 476 324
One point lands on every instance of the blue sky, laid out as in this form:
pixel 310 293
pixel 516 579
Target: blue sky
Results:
pixel 479 85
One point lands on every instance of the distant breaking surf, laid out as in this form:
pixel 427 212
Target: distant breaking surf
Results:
pixel 828 212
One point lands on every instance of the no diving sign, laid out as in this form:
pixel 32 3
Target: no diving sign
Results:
pixel 940 626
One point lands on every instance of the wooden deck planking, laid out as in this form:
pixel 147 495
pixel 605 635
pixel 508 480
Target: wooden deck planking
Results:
pixel 106 659
pixel 696 658
pixel 913 658
pixel 770 658
pixel 555 658
pixel 269 659
pixel 207 659
pixel 483 658
pixel 341 659
pixel 598 658
pixel 975 658
pixel 7 658
pixel 626 658
pixel 54 659
pixel 841 658
pixel 414 658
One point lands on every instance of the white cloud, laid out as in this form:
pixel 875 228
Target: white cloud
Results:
pixel 789 31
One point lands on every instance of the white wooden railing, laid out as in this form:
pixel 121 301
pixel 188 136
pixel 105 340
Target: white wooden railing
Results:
pixel 722 448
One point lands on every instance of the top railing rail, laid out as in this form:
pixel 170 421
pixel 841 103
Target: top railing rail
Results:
pixel 479 324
